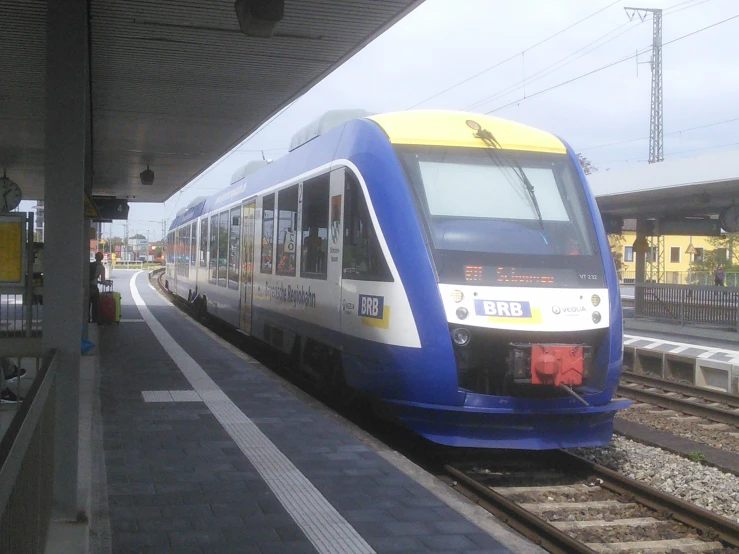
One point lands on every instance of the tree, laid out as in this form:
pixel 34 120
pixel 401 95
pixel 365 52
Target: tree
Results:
pixel 617 251
pixel 723 253
pixel 586 164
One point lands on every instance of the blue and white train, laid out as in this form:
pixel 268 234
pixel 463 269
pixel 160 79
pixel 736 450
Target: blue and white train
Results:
pixel 451 267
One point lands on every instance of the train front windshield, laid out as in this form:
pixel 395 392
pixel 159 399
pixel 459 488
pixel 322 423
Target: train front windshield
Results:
pixel 502 217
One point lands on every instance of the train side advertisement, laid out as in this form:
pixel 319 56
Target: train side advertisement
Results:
pixel 11 250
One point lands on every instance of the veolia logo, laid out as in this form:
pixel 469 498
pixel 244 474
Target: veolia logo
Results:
pixel 567 310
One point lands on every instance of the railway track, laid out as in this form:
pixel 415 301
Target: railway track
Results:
pixel 717 406
pixel 569 505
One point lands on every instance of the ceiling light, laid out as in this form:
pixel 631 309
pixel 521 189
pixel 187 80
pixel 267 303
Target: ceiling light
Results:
pixel 258 18
pixel 147 176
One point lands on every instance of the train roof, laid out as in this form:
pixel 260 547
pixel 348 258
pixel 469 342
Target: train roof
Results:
pixel 449 128
pixel 421 127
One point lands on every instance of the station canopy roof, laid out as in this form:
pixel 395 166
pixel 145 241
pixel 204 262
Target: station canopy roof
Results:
pixel 697 186
pixel 174 85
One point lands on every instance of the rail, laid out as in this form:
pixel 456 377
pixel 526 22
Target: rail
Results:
pixel 656 396
pixel 529 525
pixel 27 467
pixel 687 304
pixel 709 395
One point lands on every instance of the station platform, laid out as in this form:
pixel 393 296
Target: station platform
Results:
pixel 203 450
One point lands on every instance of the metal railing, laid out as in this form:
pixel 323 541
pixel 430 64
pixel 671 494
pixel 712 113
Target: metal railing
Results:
pixel 688 304
pixel 27 467
pixel 20 317
pixel 125 265
pixel 133 265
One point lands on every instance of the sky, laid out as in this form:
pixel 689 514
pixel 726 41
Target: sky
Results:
pixel 445 42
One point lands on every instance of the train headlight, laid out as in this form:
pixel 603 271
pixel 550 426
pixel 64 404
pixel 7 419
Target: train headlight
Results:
pixel 596 317
pixel 461 336
pixel 595 299
pixel 462 312
pixel 457 295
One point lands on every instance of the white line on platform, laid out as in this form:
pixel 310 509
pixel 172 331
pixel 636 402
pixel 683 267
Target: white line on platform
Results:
pixel 322 524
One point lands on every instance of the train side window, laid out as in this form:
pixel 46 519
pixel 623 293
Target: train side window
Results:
pixel 363 259
pixel 314 228
pixel 268 231
pixel 184 261
pixel 193 243
pixel 213 263
pixel 204 242
pixel 234 244
pixel 287 230
pixel 222 248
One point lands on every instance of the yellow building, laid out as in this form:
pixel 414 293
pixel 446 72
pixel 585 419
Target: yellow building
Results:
pixel 669 259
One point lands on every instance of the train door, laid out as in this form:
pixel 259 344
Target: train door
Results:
pixel 365 275
pixel 335 231
pixel 248 213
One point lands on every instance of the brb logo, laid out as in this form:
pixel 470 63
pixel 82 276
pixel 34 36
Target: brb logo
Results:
pixel 370 306
pixel 502 308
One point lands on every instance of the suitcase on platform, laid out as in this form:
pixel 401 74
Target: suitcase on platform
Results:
pixel 106 308
pixel 109 305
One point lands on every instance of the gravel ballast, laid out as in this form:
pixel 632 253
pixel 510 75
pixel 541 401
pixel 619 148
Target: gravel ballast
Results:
pixel 707 487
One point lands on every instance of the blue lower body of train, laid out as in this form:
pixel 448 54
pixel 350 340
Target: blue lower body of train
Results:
pixel 476 426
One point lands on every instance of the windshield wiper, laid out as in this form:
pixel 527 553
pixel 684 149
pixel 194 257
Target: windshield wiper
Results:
pixel 489 139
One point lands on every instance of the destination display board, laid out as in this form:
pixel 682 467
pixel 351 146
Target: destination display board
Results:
pixel 12 249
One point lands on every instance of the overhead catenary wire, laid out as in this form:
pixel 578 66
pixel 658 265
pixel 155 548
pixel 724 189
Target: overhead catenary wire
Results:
pixel 679 131
pixel 559 64
pixel 669 154
pixel 671 10
pixel 513 57
pixel 607 66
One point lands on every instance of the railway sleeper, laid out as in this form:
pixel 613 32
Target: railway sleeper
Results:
pixel 509 491
pixel 538 507
pixel 671 545
pixel 628 522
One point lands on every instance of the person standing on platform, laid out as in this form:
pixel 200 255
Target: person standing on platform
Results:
pixel 719 276
pixel 97 274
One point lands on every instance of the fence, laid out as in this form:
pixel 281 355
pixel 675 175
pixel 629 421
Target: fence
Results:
pixel 19 317
pixel 27 467
pixel 133 265
pixel 704 278
pixel 688 304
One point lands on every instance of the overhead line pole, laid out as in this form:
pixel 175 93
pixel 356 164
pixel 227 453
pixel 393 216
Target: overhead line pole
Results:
pixel 656 127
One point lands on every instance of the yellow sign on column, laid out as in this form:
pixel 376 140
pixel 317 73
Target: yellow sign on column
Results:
pixel 11 250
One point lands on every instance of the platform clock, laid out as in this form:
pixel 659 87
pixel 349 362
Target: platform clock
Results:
pixel 729 219
pixel 10 194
